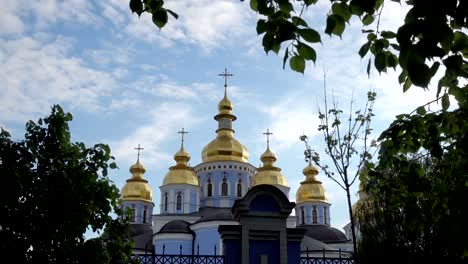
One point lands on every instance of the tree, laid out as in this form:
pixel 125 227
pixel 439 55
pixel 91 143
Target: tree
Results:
pixel 343 140
pixel 415 210
pixel 53 190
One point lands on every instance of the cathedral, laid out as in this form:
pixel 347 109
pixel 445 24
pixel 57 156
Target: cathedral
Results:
pixel 198 204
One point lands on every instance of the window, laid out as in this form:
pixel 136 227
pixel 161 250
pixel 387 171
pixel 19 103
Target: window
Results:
pixel 314 215
pixel 224 187
pixel 239 188
pixel 179 202
pixel 165 202
pixel 209 188
pixel 325 214
pixel 144 214
pixel 133 214
pixel 302 215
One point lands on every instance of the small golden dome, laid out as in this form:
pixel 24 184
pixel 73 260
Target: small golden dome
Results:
pixel 311 190
pixel 181 173
pixel 225 148
pixel 268 173
pixel 137 188
pixel 225 105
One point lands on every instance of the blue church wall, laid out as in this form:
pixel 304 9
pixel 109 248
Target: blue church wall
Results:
pixel 139 207
pixel 216 173
pixel 193 203
pixel 173 247
pixel 270 248
pixel 308 209
pixel 206 239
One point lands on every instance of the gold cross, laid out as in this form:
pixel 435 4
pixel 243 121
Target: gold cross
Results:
pixel 138 149
pixel 182 132
pixel 268 133
pixel 225 74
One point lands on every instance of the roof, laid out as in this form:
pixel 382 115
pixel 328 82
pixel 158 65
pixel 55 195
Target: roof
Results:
pixel 176 226
pixel 324 233
pixel 213 214
pixel 311 244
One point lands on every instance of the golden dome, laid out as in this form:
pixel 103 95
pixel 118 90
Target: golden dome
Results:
pixel 225 147
pixel 181 173
pixel 137 188
pixel 268 173
pixel 311 190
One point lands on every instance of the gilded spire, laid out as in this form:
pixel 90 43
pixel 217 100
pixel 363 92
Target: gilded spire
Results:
pixel 137 188
pixel 225 147
pixel 268 173
pixel 311 189
pixel 181 173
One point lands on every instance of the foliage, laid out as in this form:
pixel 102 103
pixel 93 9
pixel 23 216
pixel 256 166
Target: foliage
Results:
pixel 342 142
pixel 417 209
pixel 53 191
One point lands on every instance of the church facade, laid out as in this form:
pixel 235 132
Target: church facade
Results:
pixel 198 204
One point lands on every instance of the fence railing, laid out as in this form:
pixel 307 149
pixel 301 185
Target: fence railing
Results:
pixel 178 259
pixel 327 257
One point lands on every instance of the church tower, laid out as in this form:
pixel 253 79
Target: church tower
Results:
pixel 180 190
pixel 137 195
pixel 312 206
pixel 268 173
pixel 225 172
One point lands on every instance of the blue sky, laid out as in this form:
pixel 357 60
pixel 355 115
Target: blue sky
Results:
pixel 127 83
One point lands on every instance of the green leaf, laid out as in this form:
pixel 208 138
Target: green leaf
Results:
pixel 254 5
pixel 402 76
pixel 136 6
pixel 368 19
pixel 309 35
pixel 445 102
pixel 421 110
pixel 310 2
pixel 364 49
pixel 407 84
pixel 299 21
pixel 286 55
pixel 380 62
pixel 342 10
pixel 173 14
pixel 261 26
pixel 371 36
pixel 335 25
pixel 306 52
pixel 160 18
pixel 392 59
pixel 297 63
pixel 276 47
pixel 286 7
pixel 388 34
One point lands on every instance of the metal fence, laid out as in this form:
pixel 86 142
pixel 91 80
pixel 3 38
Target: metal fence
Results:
pixel 178 259
pixel 327 257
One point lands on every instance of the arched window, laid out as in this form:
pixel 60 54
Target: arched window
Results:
pixel 302 215
pixel 179 202
pixel 133 213
pixel 314 215
pixel 209 187
pixel 144 214
pixel 224 187
pixel 239 188
pixel 325 220
pixel 165 202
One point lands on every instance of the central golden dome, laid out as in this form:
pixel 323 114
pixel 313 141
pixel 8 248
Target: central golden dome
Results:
pixel 268 173
pixel 137 188
pixel 311 190
pixel 181 173
pixel 225 147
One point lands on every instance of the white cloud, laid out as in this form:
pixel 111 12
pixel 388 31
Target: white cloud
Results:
pixel 48 12
pixel 291 117
pixel 37 74
pixel 205 23
pixel 163 121
pixel 10 22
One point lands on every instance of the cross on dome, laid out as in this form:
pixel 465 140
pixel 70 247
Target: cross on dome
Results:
pixel 225 74
pixel 138 149
pixel 182 132
pixel 268 133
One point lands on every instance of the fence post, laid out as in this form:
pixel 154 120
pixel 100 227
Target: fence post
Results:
pixel 339 252
pixel 198 249
pixel 180 250
pixel 323 254
pixel 164 248
pixel 215 250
